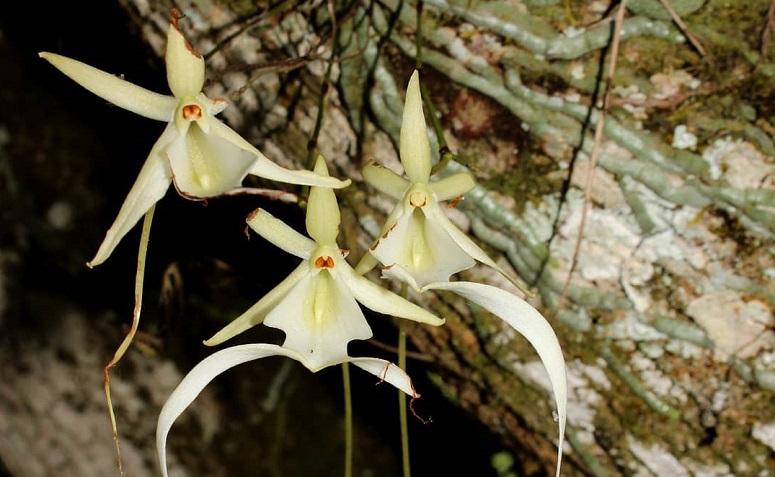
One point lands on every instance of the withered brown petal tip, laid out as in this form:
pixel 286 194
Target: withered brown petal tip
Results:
pixel 253 214
pixel 175 16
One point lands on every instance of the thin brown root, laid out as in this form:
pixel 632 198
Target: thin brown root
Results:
pixel 132 331
pixel 595 148
pixel 684 29
pixel 113 416
pixel 769 25
pixel 414 413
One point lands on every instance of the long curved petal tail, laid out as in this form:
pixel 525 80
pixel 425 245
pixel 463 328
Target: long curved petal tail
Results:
pixel 199 377
pixel 527 321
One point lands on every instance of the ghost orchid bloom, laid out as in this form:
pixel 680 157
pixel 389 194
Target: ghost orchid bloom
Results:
pixel 316 305
pixel 417 236
pixel 201 155
pixel 422 248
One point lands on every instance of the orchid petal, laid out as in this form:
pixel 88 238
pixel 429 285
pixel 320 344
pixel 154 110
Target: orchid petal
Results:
pixel 267 169
pixel 388 372
pixel 368 261
pixel 528 322
pixel 323 215
pixel 206 165
pixel 385 180
pixel 421 245
pixel 453 186
pixel 150 186
pixel 185 65
pixel 473 250
pixel 273 194
pixel 319 317
pixel 400 274
pixel 199 377
pixel 280 234
pixel 414 147
pixel 390 222
pixel 255 314
pixel 382 300
pixel 114 89
pixel 366 264
pixel 212 106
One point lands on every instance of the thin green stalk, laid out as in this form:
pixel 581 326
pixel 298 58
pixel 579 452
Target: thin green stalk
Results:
pixel 401 396
pixel 348 422
pixel 142 252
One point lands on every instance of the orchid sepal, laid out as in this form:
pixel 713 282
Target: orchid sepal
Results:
pixel 280 234
pixel 414 147
pixel 323 216
pixel 115 90
pixel 385 180
pixel 185 65
pixel 452 187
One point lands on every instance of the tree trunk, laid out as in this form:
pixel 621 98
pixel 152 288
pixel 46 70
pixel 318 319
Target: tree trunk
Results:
pixel 667 328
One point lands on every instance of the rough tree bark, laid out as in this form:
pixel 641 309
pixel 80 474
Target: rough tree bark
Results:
pixel 668 325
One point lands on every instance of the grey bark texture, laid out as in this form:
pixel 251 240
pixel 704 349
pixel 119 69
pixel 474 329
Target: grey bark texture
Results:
pixel 667 328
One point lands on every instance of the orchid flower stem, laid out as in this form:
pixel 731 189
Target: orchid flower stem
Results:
pixel 348 422
pixel 402 402
pixel 402 396
pixel 144 237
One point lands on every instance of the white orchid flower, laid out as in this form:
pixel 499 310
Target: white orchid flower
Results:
pixel 422 248
pixel 201 155
pixel 316 305
pixel 417 236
